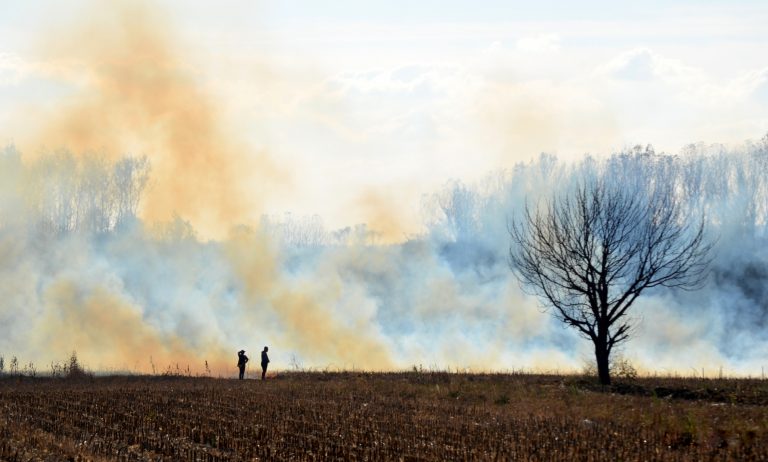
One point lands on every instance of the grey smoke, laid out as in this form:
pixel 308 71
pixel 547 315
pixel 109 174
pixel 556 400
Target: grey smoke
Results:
pixel 74 256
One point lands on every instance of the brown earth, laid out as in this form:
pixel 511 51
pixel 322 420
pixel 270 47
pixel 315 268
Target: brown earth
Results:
pixel 393 416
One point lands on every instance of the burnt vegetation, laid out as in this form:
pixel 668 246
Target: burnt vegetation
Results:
pixel 394 416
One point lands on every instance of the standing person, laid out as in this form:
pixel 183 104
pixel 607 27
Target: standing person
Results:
pixel 242 360
pixel 264 362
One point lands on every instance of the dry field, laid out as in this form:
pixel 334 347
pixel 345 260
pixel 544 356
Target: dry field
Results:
pixel 400 416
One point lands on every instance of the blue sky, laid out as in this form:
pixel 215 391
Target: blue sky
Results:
pixel 382 102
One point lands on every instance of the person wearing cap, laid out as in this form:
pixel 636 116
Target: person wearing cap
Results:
pixel 264 362
pixel 241 361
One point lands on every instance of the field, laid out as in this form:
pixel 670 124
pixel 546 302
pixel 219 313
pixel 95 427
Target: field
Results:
pixel 398 416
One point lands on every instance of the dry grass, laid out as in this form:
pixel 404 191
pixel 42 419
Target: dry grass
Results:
pixel 403 416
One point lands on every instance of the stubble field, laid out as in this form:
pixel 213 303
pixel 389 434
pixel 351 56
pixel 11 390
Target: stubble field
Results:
pixel 398 416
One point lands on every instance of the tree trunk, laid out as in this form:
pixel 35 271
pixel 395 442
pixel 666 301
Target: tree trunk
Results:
pixel 601 354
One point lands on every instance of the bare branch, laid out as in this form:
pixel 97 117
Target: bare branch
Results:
pixel 589 254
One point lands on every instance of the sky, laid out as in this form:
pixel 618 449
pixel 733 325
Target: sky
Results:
pixel 355 110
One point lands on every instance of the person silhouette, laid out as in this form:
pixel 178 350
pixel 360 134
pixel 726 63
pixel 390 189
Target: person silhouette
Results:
pixel 264 362
pixel 241 362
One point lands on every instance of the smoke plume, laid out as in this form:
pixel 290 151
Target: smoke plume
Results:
pixel 141 263
pixel 140 93
pixel 82 271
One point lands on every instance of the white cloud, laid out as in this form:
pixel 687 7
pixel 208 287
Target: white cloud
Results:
pixel 539 43
pixel 12 69
pixel 636 64
pixel 752 85
pixel 15 70
pixel 643 64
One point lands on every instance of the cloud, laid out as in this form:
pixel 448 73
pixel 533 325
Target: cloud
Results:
pixel 642 64
pixel 753 85
pixel 636 64
pixel 16 69
pixel 538 43
pixel 12 69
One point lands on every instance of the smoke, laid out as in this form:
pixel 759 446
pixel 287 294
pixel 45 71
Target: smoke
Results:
pixel 140 93
pixel 110 255
pixel 316 316
pixel 80 271
pixel 127 280
pixel 129 295
pixel 386 214
pixel 96 320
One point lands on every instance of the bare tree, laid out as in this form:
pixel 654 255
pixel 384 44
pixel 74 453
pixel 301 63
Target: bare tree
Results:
pixel 73 194
pixel 588 255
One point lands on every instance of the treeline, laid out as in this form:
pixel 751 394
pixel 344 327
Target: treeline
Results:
pixel 60 193
pixel 310 232
pixel 729 185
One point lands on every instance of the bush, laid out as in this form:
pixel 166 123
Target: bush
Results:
pixel 74 370
pixel 620 367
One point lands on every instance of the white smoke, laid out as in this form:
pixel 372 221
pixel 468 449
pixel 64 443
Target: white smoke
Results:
pixel 79 271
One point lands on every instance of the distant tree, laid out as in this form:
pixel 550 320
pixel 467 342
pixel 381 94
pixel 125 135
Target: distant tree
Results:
pixel 458 207
pixel 589 254
pixel 297 231
pixel 65 193
pixel 74 369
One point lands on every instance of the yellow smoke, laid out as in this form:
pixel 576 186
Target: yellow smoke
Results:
pixel 108 331
pixel 384 214
pixel 306 320
pixel 141 96
pixel 138 92
pixel 519 121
